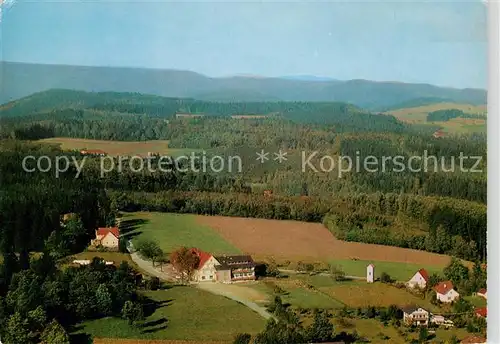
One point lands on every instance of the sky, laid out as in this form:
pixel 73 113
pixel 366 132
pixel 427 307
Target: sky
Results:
pixel 441 43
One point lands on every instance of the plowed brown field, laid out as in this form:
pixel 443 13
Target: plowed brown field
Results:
pixel 302 240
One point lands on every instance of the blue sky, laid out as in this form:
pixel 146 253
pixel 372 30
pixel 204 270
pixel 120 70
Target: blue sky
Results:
pixel 439 43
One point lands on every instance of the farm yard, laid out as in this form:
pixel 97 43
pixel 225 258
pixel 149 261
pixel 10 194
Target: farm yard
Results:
pixel 115 148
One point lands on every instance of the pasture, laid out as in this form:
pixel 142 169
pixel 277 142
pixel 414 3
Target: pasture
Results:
pixel 174 230
pixel 185 313
pixel 361 294
pixel 116 148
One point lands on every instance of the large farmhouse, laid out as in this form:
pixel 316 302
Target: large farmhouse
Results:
pixel 224 269
pixel 419 280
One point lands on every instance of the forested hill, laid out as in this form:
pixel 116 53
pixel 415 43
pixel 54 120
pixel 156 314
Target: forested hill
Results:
pixel 20 80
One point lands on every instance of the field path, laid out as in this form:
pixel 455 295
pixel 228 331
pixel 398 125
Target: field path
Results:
pixel 214 288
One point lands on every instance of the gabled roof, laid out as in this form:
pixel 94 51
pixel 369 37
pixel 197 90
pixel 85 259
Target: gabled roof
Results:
pixel 105 230
pixel 204 256
pixel 482 291
pixel 372 265
pixel 482 311
pixel 443 287
pixel 424 274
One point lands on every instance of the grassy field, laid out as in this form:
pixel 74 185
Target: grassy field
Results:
pixel 115 148
pixel 419 114
pixel 362 294
pixel 185 313
pixel 174 230
pixel 476 301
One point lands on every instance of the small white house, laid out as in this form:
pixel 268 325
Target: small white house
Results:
pixel 445 292
pixel 414 315
pixel 419 280
pixel 370 273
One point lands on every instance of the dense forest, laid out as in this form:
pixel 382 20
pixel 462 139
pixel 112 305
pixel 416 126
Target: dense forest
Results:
pixel 446 115
pixel 455 197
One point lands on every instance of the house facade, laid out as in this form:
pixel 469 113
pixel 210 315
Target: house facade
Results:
pixel 225 269
pixel 414 315
pixel 419 280
pixel 445 292
pixel 107 237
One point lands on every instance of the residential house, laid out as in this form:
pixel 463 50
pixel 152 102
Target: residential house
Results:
pixel 440 320
pixel 107 237
pixel 482 293
pixel 419 280
pixel 481 312
pixel 473 340
pixel 414 315
pixel 445 292
pixel 226 269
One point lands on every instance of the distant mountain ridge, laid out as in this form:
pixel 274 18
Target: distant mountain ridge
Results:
pixel 22 79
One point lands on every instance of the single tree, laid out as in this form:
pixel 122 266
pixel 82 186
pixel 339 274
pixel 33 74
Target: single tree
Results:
pixel 185 262
pixel 104 301
pixel 321 330
pixel 132 311
pixel 54 333
pixel 150 250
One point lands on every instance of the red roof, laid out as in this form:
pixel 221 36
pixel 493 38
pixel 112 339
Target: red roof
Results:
pixel 424 274
pixel 481 312
pixel 482 291
pixel 443 287
pixel 105 230
pixel 473 340
pixel 204 256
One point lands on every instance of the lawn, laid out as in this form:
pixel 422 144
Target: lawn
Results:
pixel 186 313
pixel 174 230
pixel 398 271
pixel 297 294
pixel 362 294
pixel 476 301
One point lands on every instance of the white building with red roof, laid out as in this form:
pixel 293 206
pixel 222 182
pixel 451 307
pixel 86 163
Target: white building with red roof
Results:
pixel 419 280
pixel 445 292
pixel 224 269
pixel 107 237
